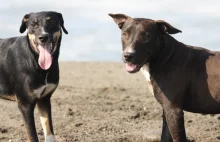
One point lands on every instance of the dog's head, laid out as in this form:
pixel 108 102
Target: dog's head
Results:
pixel 44 34
pixel 141 39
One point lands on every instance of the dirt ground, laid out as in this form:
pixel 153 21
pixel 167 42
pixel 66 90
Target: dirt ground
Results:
pixel 101 102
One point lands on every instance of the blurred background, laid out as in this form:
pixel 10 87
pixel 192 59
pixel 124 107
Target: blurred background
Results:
pixel 93 36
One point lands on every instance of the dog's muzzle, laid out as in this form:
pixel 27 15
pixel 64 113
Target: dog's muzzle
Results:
pixel 131 64
pixel 44 45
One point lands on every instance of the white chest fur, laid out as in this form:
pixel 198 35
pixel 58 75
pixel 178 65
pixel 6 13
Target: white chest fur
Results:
pixel 145 70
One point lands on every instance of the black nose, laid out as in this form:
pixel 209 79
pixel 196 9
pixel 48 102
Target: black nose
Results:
pixel 44 38
pixel 128 56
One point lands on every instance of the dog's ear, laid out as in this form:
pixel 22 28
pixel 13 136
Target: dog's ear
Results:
pixel 24 21
pixel 119 19
pixel 59 15
pixel 165 27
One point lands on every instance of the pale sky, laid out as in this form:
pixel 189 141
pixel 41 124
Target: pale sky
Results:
pixel 93 36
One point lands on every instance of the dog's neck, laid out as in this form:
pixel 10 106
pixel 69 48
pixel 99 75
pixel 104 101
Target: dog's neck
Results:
pixel 168 49
pixel 163 59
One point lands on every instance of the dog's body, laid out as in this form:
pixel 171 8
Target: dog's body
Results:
pixel 181 77
pixel 188 77
pixel 29 71
pixel 19 69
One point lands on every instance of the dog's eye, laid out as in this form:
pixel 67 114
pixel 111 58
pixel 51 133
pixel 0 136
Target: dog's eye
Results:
pixel 52 22
pixel 34 24
pixel 124 34
pixel 145 37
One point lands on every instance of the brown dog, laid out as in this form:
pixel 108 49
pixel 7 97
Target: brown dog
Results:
pixel 180 76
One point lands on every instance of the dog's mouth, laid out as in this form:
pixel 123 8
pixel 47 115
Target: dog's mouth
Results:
pixel 45 51
pixel 45 57
pixel 132 68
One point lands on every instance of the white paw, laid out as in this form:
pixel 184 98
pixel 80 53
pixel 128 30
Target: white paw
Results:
pixel 50 138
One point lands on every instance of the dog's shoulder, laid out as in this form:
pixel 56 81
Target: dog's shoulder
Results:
pixel 13 41
pixel 13 47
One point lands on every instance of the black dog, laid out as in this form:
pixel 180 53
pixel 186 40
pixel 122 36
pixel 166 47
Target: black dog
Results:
pixel 29 71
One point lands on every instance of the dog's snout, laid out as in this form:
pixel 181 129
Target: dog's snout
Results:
pixel 128 56
pixel 44 38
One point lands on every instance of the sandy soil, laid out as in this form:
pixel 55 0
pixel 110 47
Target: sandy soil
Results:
pixel 101 102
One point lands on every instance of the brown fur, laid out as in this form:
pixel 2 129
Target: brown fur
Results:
pixel 9 97
pixel 183 77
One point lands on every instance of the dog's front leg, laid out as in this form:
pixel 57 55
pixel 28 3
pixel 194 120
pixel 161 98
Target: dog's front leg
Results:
pixel 175 121
pixel 166 136
pixel 27 110
pixel 44 108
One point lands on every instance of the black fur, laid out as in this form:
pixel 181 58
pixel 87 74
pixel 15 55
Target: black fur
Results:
pixel 20 73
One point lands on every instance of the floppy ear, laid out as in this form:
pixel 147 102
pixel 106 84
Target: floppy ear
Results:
pixel 24 21
pixel 166 27
pixel 119 19
pixel 59 15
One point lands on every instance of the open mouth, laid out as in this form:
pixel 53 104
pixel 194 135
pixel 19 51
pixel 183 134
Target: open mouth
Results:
pixel 48 46
pixel 45 51
pixel 132 68
pixel 45 57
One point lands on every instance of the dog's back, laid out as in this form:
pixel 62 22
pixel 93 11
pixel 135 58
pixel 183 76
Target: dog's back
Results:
pixel 10 65
pixel 204 76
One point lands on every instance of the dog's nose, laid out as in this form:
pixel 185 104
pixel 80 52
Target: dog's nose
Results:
pixel 43 38
pixel 128 56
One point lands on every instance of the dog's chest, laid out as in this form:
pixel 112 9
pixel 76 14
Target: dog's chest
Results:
pixel 45 89
pixel 145 71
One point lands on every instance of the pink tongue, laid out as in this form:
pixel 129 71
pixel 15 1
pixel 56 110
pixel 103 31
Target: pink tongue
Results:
pixel 45 58
pixel 130 67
